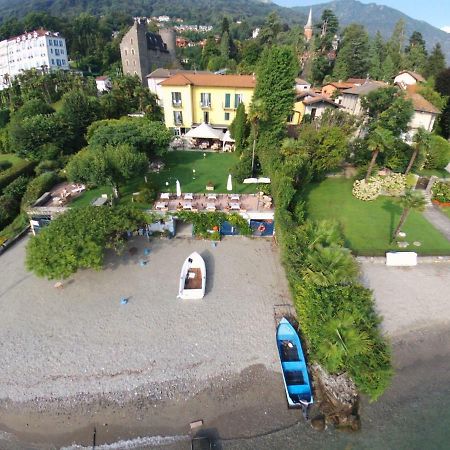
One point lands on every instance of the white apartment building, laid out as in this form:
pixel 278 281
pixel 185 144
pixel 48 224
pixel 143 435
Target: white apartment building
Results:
pixel 38 49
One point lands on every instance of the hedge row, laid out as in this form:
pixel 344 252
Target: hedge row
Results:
pixel 39 186
pixel 9 175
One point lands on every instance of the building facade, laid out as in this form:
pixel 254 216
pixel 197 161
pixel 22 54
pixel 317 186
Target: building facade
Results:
pixel 190 99
pixel 142 51
pixel 39 49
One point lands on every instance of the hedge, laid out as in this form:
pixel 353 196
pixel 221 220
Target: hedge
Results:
pixel 39 186
pixel 9 175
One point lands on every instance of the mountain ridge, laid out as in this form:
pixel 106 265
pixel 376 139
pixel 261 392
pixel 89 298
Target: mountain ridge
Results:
pixel 381 18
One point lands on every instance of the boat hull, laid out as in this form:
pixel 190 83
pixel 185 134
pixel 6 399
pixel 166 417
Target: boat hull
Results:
pixel 192 278
pixel 293 365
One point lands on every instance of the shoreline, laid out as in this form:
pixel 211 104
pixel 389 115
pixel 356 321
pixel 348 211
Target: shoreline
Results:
pixel 230 406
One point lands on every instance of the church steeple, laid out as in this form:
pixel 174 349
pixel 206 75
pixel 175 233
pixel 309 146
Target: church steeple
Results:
pixel 309 27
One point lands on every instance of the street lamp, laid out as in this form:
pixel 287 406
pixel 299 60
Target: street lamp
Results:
pixel 193 174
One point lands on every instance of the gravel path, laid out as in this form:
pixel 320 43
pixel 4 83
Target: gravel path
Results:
pixel 410 298
pixel 80 340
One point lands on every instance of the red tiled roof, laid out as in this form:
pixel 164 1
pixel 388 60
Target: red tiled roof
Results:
pixel 210 80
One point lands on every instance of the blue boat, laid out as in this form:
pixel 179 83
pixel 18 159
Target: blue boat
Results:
pixel 293 365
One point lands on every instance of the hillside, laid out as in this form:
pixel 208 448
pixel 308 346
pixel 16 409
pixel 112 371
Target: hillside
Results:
pixel 199 11
pixel 379 18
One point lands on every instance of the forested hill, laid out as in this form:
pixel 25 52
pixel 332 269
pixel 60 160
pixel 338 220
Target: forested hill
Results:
pixel 379 18
pixel 197 11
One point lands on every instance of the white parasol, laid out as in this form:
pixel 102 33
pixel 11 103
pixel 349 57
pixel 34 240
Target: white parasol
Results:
pixel 229 183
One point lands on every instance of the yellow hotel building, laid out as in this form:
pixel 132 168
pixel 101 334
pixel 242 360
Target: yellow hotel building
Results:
pixel 190 99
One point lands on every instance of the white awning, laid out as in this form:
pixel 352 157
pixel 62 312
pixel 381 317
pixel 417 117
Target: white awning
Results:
pixel 205 131
pixel 227 137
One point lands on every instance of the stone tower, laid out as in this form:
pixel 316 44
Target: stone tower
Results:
pixel 142 51
pixel 309 27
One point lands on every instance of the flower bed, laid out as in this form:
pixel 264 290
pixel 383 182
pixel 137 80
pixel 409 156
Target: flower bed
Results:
pixel 441 193
pixel 390 185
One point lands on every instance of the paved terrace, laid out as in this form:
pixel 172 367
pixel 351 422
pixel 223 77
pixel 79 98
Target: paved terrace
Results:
pixel 215 202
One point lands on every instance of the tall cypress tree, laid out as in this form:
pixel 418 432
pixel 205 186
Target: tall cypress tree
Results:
pixel 273 98
pixel 436 62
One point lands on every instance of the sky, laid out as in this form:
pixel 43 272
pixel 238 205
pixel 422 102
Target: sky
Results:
pixel 435 12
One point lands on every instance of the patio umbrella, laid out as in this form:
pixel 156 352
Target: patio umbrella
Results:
pixel 229 183
pixel 204 131
pixel 178 189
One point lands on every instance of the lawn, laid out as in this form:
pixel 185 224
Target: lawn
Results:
pixel 12 158
pixel 368 226
pixel 446 210
pixel 179 165
pixel 213 167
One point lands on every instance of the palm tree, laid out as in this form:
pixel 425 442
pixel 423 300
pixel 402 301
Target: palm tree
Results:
pixel 330 266
pixel 422 143
pixel 379 140
pixel 342 341
pixel 411 200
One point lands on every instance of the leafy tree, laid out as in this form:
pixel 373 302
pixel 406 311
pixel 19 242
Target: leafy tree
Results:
pixel 209 50
pixel 443 88
pixel 427 91
pixel 388 69
pixel 353 56
pixel 33 108
pixel 395 45
pixel 225 46
pixel 109 165
pixel 396 118
pixel 78 111
pixel 438 154
pixel 421 144
pixel 251 51
pixel 239 128
pixel 269 31
pixel 411 200
pixel 30 137
pixel 274 92
pixel 378 141
pixel 328 28
pixel 376 57
pixel 416 53
pixel 78 239
pixel 151 138
pixel 436 62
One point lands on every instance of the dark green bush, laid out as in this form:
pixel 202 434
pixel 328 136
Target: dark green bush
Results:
pixel 10 200
pixel 5 165
pixel 9 175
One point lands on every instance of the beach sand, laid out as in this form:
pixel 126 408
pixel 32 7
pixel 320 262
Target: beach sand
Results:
pixel 75 359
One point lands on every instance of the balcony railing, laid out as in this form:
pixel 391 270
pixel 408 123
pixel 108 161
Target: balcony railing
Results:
pixel 205 105
pixel 177 103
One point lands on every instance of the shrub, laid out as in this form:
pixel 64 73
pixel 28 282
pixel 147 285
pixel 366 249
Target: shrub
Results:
pixel 5 165
pixel 10 200
pixel 441 192
pixel 39 186
pixel 146 195
pixel 391 185
pixel 9 175
pixel 438 155
pixel 46 166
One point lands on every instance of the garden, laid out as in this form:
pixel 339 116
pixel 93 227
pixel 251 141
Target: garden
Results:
pixel 368 225
pixel 194 170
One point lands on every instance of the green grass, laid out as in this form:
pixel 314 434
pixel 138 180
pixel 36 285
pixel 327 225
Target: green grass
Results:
pixel 446 210
pixel 214 167
pixel 90 195
pixel 368 226
pixel 441 173
pixel 12 158
pixel 57 105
